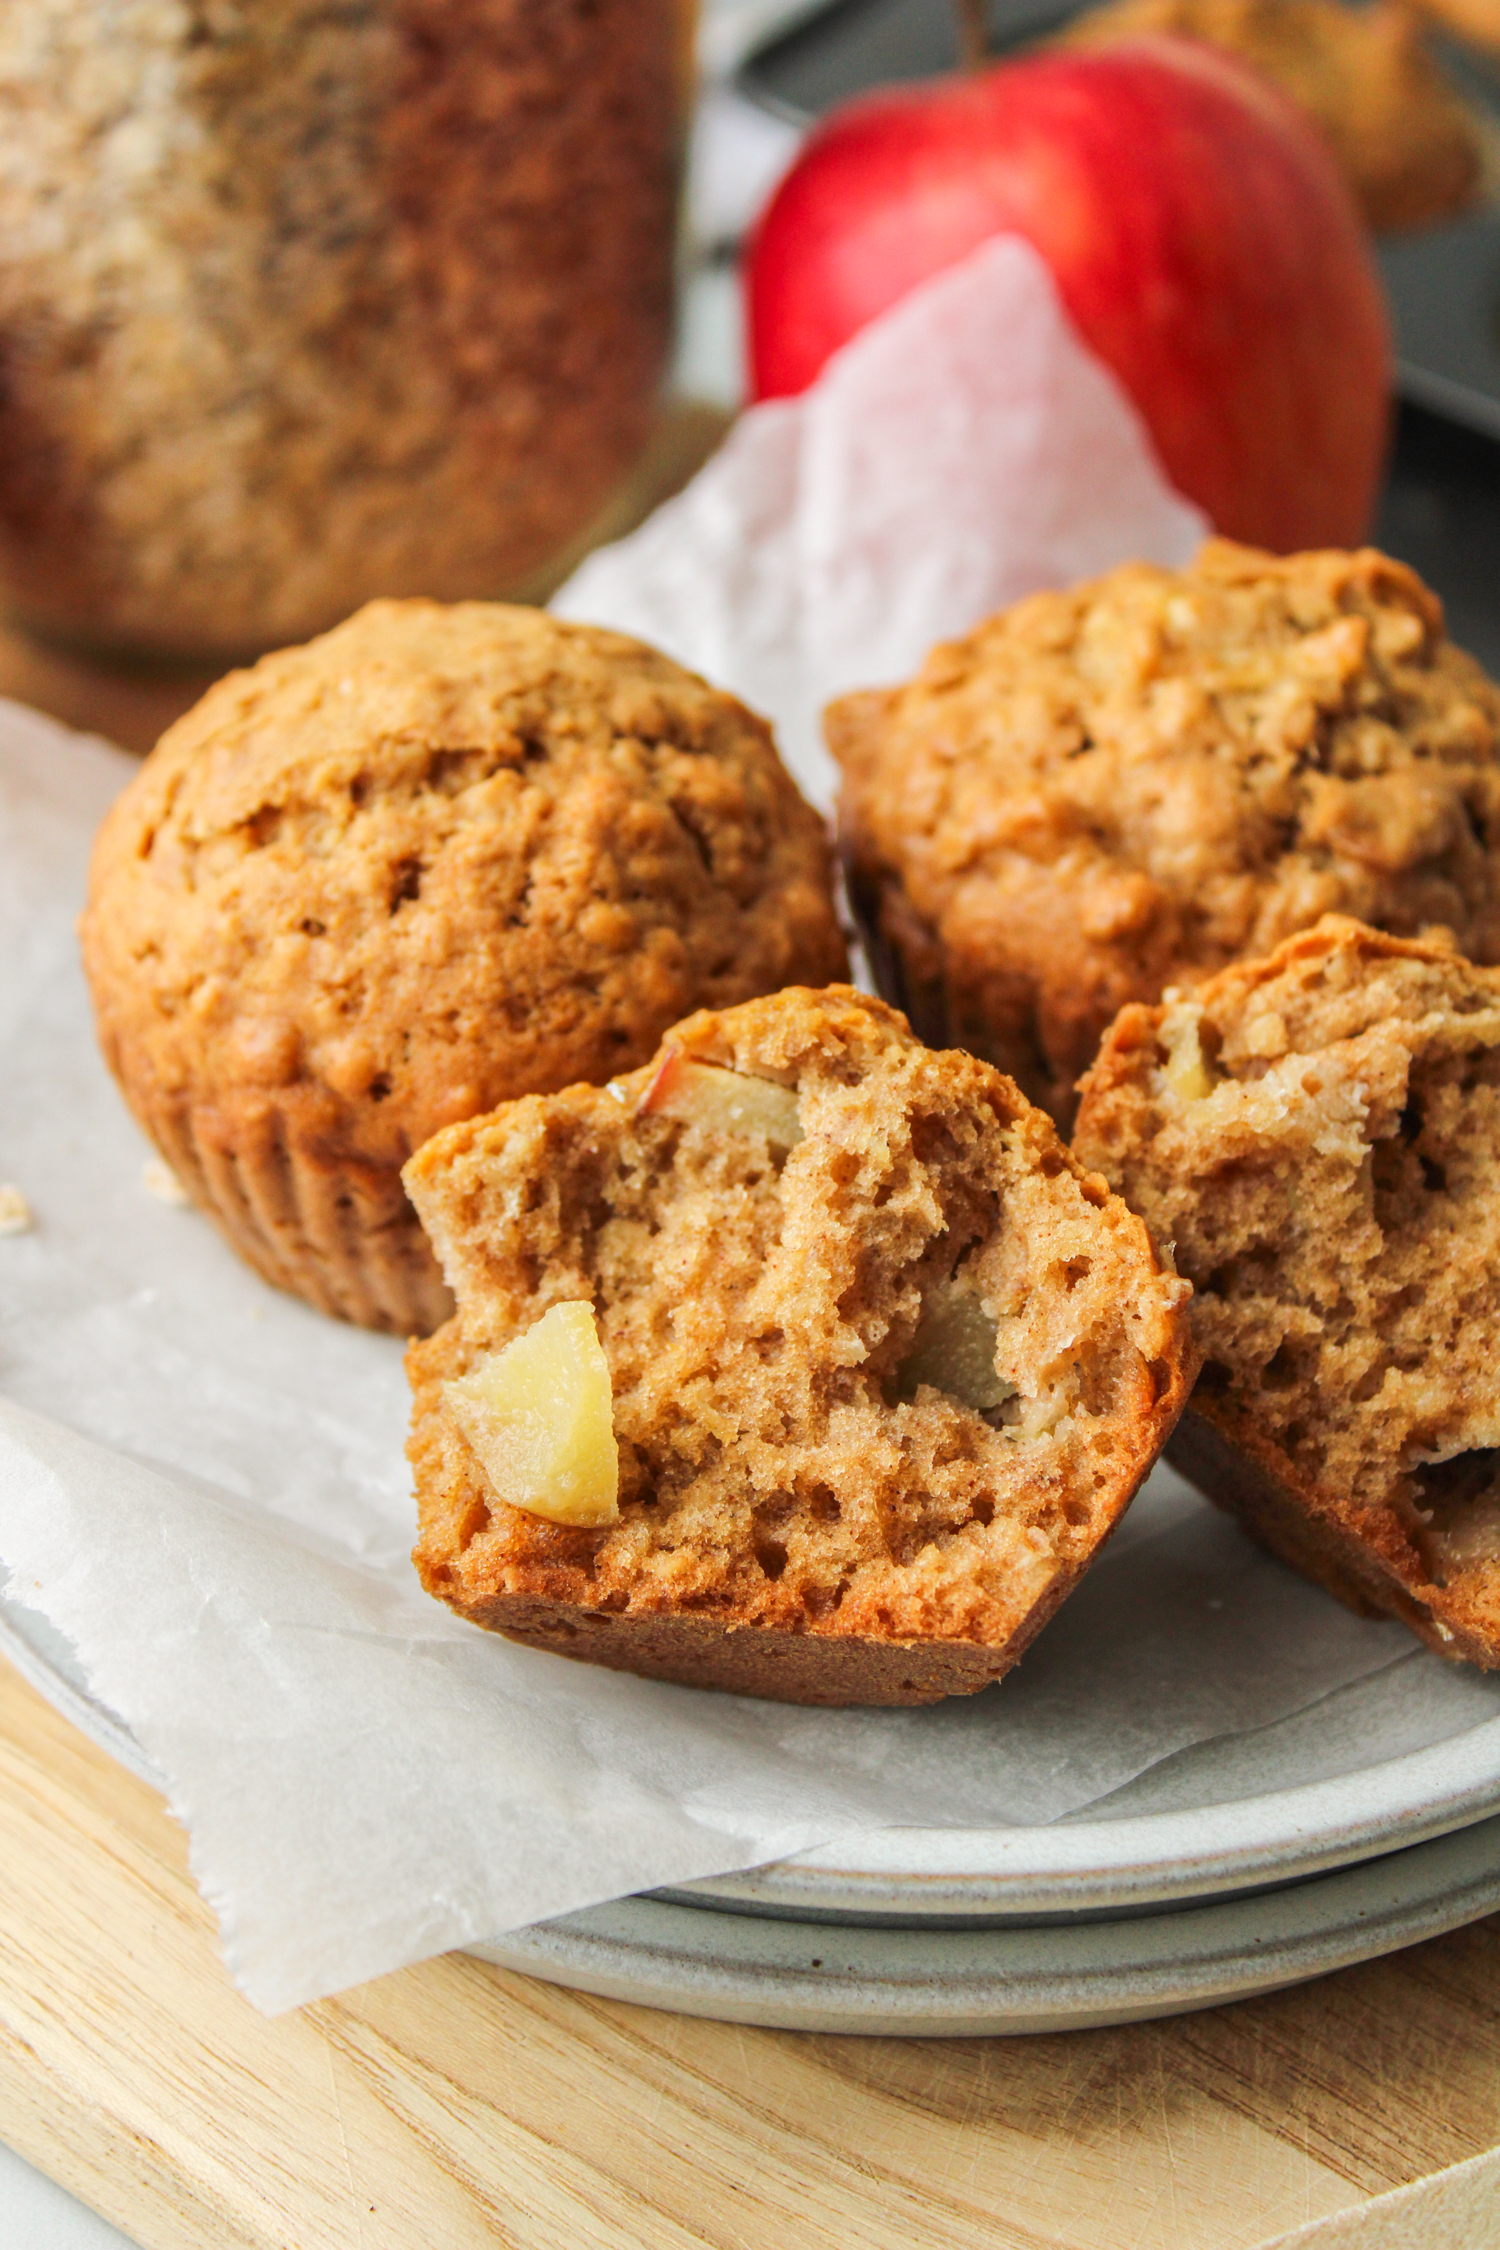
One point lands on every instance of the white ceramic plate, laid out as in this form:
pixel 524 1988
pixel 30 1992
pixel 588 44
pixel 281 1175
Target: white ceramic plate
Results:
pixel 793 1946
pixel 1096 1863
pixel 940 1982
pixel 1186 1831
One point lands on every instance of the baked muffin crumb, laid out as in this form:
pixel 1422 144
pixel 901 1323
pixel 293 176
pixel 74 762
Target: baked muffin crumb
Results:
pixel 15 1211
pixel 886 1364
pixel 1318 1136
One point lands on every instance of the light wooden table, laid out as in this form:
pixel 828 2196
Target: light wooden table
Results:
pixel 452 2106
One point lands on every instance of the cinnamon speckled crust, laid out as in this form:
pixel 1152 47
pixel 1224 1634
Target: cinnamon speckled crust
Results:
pixel 1318 1135
pixel 792 1523
pixel 1406 144
pixel 436 859
pixel 1104 792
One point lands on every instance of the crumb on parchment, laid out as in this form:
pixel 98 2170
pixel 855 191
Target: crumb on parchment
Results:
pixel 160 1180
pixel 15 1211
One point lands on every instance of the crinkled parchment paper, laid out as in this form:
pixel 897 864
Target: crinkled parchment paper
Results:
pixel 202 1482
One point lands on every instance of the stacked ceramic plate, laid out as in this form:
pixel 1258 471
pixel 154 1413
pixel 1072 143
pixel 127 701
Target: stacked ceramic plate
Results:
pixel 1192 1885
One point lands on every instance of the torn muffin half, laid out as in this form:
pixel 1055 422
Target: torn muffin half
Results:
pixel 1317 1134
pixel 882 1365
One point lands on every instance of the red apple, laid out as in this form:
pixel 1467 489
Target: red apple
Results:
pixel 1199 235
pixel 726 1101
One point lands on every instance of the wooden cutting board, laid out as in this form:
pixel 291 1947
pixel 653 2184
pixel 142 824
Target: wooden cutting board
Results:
pixel 452 2105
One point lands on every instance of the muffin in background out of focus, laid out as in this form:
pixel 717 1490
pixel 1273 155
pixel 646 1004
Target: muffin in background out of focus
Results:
pixel 439 858
pixel 302 305
pixel 1405 141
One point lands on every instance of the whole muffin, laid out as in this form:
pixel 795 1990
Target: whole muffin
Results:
pixel 1104 792
pixel 804 1362
pixel 436 859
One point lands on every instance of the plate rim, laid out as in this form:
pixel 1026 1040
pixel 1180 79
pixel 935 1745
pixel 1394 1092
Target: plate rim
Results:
pixel 928 1980
pixel 820 1885
pixel 1226 1848
pixel 936 1983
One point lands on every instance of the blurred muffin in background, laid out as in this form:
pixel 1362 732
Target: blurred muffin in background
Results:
pixel 1407 145
pixel 1104 792
pixel 1477 21
pixel 300 305
pixel 439 858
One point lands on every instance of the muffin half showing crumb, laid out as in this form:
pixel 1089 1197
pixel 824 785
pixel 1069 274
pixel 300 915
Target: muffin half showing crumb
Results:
pixel 1318 1136
pixel 804 1362
pixel 438 858
pixel 1103 792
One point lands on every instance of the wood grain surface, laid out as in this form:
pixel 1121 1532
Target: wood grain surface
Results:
pixel 454 2105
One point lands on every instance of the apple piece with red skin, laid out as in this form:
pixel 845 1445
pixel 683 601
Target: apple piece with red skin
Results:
pixel 1199 235
pixel 723 1101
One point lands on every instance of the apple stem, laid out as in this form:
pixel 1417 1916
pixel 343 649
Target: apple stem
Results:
pixel 973 34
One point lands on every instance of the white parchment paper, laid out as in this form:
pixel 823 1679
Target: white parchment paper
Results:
pixel 202 1482
pixel 962 452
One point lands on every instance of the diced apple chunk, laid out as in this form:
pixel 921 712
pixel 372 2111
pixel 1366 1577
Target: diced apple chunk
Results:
pixel 726 1101
pixel 1186 1070
pixel 954 1351
pixel 537 1417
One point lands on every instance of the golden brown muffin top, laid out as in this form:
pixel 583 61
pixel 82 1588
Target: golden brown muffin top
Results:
pixel 1401 136
pixel 437 858
pixel 1102 792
